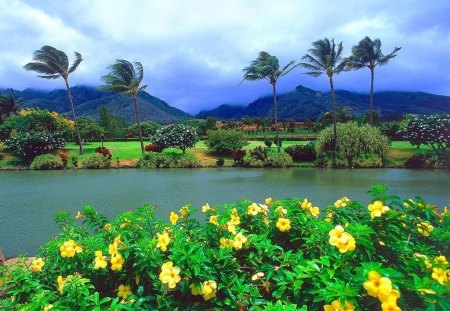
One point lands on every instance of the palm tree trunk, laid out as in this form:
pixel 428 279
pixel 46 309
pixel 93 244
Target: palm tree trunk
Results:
pixel 275 107
pixel 333 98
pixel 372 76
pixel 74 116
pixel 138 120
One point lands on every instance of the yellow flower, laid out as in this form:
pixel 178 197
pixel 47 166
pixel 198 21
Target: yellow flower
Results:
pixel 69 248
pixel 264 209
pixel 342 202
pixel 439 275
pixel 336 306
pixel 231 227
pixel 100 261
pixel 36 265
pixel 283 224
pixel 107 227
pixel 341 239
pixel 48 307
pixel 163 241
pixel 235 220
pixel 184 211
pixel 314 211
pixel 380 287
pixel 61 281
pixel 195 290
pixel 214 220
pixel 206 208
pixel 226 242
pixel 281 211
pixel 124 291
pixel 253 209
pixel 377 209
pixel 329 216
pixel 117 262
pixel 305 205
pixel 269 201
pixel 234 212
pixel 173 218
pixel 424 228
pixel 390 306
pixel 79 215
pixel 239 241
pixel 257 276
pixel 441 260
pixel 209 289
pixel 170 274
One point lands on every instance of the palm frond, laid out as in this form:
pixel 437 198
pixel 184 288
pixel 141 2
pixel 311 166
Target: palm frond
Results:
pixel 43 69
pixel 76 62
pixel 124 78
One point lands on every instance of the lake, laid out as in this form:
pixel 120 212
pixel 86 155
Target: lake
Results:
pixel 29 199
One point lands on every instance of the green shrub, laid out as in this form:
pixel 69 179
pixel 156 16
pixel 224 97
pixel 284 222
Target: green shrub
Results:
pixel 281 255
pixel 96 160
pixel 353 140
pixel 429 159
pixel 302 153
pixel 28 145
pixel 169 160
pixel 263 157
pixel 326 160
pixel 220 162
pixel 367 160
pixel 175 135
pixel 47 162
pixel 225 141
pixel 268 142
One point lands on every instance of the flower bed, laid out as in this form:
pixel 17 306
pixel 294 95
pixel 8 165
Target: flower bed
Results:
pixel 280 255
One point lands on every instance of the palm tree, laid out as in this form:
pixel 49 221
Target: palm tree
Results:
pixel 267 67
pixel 367 53
pixel 125 78
pixel 51 63
pixel 325 58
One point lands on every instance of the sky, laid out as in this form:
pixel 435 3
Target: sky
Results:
pixel 193 52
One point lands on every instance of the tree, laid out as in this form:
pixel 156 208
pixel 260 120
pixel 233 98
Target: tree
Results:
pixel 125 78
pixel 325 58
pixel 175 135
pixel 8 105
pixel 267 67
pixel 51 63
pixel 367 54
pixel 90 129
pixel 113 125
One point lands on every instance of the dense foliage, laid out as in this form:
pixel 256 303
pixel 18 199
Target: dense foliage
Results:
pixel 432 131
pixel 429 159
pixel 90 129
pixel 225 141
pixel 169 160
pixel 353 141
pixel 265 157
pixel 47 162
pixel 148 129
pixel 300 153
pixel 280 255
pixel 96 160
pixel 175 135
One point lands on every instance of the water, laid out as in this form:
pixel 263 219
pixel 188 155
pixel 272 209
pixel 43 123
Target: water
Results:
pixel 29 199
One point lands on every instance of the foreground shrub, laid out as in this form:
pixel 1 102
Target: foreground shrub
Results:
pixel 96 160
pixel 353 140
pixel 47 162
pixel 169 160
pixel 175 135
pixel 225 141
pixel 281 255
pixel 28 145
pixel 104 152
pixel 302 153
pixel 429 159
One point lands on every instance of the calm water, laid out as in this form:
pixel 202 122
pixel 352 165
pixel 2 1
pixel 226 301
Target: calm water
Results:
pixel 29 200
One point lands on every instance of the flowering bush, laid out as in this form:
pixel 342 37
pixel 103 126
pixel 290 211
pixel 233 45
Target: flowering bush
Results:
pixel 175 135
pixel 153 148
pixel 104 152
pixel 432 131
pixel 28 145
pixel 276 255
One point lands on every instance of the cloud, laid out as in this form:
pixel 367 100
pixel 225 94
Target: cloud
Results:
pixel 193 52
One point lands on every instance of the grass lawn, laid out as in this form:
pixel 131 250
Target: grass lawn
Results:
pixel 130 151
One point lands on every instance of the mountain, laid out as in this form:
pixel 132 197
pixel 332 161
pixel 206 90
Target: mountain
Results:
pixel 304 103
pixel 87 101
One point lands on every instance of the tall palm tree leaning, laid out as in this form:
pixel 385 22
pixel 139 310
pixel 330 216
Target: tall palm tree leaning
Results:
pixel 367 53
pixel 267 67
pixel 51 63
pixel 125 78
pixel 326 58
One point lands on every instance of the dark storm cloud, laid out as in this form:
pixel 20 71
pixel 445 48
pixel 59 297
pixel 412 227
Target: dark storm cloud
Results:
pixel 193 52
